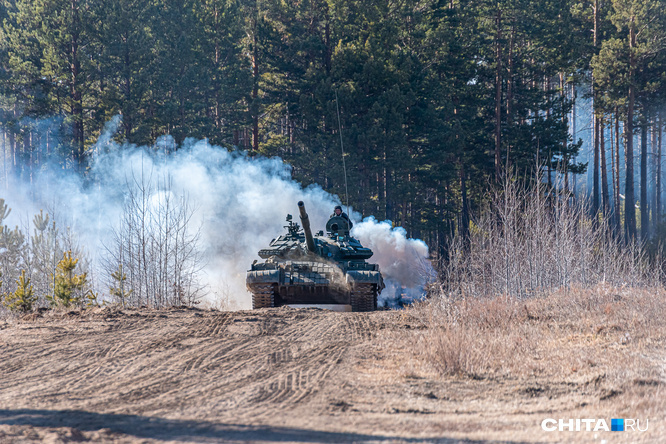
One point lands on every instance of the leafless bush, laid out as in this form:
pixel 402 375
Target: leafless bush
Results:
pixel 154 257
pixel 541 289
pixel 529 241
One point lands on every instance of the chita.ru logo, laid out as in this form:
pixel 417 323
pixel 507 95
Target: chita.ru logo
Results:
pixel 595 425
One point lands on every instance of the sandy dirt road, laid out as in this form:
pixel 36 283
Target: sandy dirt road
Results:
pixel 275 375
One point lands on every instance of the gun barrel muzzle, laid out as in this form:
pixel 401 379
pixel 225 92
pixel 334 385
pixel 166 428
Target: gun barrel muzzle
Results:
pixel 305 220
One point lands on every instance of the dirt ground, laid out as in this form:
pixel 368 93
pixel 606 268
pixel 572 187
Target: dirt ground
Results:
pixel 273 375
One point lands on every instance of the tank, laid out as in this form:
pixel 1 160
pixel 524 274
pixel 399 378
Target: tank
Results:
pixel 328 268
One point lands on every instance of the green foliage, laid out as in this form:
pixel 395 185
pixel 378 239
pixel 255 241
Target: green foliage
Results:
pixel 4 210
pixel 427 90
pixel 621 61
pixel 119 289
pixel 92 299
pixel 13 252
pixel 68 286
pixel 23 299
pixel 38 256
pixel 40 221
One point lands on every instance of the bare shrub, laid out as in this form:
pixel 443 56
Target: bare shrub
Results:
pixel 154 257
pixel 528 242
pixel 450 351
pixel 540 289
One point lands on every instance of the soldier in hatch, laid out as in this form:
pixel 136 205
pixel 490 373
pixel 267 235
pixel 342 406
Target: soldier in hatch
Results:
pixel 338 212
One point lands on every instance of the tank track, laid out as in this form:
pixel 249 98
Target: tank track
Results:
pixel 263 296
pixel 364 297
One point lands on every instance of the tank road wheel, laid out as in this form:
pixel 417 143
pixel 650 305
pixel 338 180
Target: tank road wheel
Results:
pixel 364 297
pixel 263 296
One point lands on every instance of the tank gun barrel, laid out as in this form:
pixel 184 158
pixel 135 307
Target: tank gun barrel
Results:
pixel 305 220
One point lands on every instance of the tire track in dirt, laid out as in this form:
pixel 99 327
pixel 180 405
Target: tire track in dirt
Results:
pixel 299 370
pixel 189 373
pixel 194 362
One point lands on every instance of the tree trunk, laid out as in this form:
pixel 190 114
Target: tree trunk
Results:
pixel 75 92
pixel 498 93
pixel 655 166
pixel 327 43
pixel 29 153
pixel 12 142
pixel 565 142
pixel 4 155
pixel 604 172
pixel 255 86
pixel 595 172
pixel 658 185
pixel 129 109
pixel 388 210
pixel 216 16
pixel 616 198
pixel 509 93
pixel 595 135
pixel 613 183
pixel 464 223
pixel 573 129
pixel 644 200
pixel 629 198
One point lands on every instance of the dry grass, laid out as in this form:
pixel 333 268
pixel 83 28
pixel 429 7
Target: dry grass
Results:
pixel 585 353
pixel 604 335
pixel 542 310
pixel 539 292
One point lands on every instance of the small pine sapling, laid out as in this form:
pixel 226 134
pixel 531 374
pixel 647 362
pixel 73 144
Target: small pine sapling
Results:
pixel 23 298
pixel 12 246
pixel 119 290
pixel 67 286
pixel 92 299
pixel 44 252
pixel 40 221
pixel 4 211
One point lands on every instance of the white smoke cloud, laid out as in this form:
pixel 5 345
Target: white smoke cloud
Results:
pixel 240 203
pixel 403 261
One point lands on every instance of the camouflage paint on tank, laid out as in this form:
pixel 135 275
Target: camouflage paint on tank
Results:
pixel 329 268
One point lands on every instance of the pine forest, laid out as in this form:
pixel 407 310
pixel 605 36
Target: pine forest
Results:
pixel 413 111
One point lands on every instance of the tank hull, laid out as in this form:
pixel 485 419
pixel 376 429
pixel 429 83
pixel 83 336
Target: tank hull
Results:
pixel 313 282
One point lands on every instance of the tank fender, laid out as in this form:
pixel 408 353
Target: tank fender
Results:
pixel 263 276
pixel 365 277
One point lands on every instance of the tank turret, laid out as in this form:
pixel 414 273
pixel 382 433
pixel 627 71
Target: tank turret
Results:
pixel 323 269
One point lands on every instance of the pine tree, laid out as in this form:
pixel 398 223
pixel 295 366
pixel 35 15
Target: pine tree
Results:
pixel 119 290
pixel 22 299
pixel 13 252
pixel 44 250
pixel 92 299
pixel 4 211
pixel 620 70
pixel 67 285
pixel 127 40
pixel 49 40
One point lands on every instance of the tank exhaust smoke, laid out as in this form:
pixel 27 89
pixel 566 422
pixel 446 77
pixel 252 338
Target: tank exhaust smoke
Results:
pixel 239 204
